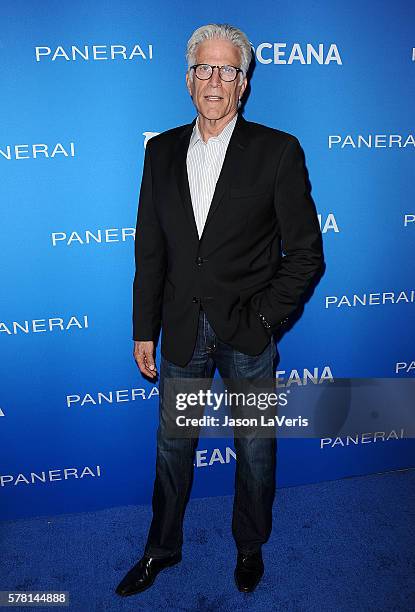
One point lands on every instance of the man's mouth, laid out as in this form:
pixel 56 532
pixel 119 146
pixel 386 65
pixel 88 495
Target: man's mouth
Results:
pixel 213 98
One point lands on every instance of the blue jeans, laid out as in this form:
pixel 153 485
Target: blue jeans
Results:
pixel 255 457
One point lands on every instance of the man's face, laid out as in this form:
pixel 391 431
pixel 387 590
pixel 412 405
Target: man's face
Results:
pixel 214 98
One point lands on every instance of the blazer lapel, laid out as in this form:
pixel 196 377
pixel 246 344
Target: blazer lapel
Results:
pixel 230 168
pixel 180 155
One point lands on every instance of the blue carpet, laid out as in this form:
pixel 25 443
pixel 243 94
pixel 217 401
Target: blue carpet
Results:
pixel 345 545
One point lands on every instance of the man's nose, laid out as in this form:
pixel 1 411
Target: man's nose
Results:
pixel 215 78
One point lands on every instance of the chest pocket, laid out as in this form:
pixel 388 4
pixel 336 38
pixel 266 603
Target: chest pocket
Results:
pixel 253 201
pixel 259 192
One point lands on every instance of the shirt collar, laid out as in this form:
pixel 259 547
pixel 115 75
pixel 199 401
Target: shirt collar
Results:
pixel 224 137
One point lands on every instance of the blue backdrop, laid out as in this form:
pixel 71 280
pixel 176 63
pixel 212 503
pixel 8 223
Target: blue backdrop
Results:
pixel 84 84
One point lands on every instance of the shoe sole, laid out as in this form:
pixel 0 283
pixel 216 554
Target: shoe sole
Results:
pixel 170 564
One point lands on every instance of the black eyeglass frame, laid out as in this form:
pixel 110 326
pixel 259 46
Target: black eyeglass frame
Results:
pixel 218 67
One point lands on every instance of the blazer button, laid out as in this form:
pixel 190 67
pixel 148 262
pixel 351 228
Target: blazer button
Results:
pixel 199 261
pixel 195 300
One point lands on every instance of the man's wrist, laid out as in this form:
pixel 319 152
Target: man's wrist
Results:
pixel 264 322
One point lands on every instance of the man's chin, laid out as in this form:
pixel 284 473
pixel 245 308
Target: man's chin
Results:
pixel 212 113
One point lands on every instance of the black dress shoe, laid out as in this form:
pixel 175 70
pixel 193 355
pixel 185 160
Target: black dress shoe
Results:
pixel 142 575
pixel 248 572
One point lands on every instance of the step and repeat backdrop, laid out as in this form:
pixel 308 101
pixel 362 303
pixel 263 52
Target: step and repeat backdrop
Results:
pixel 84 85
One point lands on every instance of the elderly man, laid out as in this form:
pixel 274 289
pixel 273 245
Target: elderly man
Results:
pixel 227 244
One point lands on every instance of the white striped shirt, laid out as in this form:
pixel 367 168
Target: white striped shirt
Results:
pixel 204 163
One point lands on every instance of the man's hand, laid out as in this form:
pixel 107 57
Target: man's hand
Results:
pixel 144 356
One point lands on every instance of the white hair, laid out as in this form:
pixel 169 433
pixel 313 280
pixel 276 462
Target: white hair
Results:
pixel 222 31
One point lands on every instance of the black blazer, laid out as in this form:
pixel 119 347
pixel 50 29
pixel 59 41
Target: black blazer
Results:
pixel 260 249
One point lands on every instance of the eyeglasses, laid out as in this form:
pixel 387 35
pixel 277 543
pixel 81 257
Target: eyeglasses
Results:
pixel 205 71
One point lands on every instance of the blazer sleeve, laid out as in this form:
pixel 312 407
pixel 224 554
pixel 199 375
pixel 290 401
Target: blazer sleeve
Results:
pixel 301 240
pixel 150 261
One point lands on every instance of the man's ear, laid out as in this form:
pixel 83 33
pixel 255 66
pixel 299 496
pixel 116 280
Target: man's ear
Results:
pixel 188 84
pixel 243 87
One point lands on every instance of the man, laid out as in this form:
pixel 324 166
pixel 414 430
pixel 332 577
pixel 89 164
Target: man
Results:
pixel 221 200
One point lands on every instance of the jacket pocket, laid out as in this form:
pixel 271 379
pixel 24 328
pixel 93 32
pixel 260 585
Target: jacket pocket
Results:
pixel 246 294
